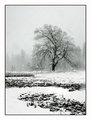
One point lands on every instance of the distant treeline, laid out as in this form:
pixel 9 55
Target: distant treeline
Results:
pixel 24 62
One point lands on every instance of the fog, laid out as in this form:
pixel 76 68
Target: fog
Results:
pixel 21 21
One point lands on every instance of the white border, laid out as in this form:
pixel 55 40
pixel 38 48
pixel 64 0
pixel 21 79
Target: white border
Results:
pixel 2 45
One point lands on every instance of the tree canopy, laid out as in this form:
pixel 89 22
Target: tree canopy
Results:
pixel 55 45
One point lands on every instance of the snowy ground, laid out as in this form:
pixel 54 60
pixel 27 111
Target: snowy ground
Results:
pixel 15 106
pixel 63 77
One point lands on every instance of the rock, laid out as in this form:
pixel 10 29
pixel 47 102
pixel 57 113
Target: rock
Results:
pixel 54 103
pixel 71 89
pixel 35 106
pixel 53 108
pixel 28 104
pixel 32 103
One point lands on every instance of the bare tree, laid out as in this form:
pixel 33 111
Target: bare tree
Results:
pixel 55 45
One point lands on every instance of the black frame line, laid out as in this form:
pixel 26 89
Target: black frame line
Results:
pixel 40 5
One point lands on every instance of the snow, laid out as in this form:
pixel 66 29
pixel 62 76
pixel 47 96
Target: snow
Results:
pixel 63 77
pixel 76 77
pixel 15 106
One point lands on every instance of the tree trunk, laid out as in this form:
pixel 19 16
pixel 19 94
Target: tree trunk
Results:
pixel 53 67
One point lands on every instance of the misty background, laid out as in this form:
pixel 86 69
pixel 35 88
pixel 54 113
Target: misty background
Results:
pixel 21 22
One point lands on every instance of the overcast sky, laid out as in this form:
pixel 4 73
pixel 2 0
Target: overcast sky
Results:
pixel 21 21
